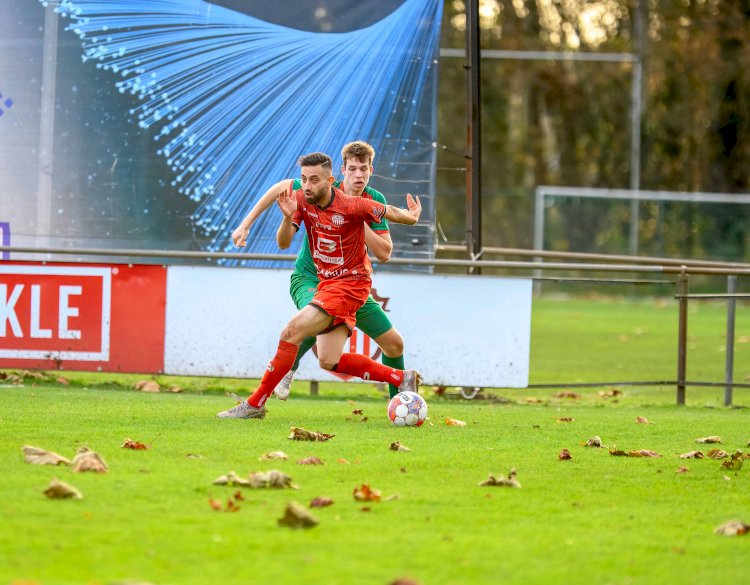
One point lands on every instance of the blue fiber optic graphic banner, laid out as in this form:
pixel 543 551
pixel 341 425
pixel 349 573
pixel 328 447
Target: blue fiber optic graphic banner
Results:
pixel 158 124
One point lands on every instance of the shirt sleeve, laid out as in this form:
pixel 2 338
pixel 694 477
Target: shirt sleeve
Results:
pixel 380 198
pixel 297 217
pixel 370 210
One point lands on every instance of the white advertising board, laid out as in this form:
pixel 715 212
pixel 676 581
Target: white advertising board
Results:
pixel 458 330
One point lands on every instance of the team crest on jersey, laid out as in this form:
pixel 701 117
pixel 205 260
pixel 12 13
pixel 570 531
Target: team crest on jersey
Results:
pixel 337 219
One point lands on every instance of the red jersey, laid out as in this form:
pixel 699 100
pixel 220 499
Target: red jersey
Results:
pixel 337 235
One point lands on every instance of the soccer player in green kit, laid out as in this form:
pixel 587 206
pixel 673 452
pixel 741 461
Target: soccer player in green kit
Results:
pixel 357 167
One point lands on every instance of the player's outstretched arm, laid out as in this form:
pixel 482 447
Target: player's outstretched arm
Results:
pixel 379 243
pixel 239 235
pixel 408 216
pixel 288 204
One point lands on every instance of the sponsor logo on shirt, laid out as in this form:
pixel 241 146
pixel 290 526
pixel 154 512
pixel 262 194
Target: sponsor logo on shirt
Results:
pixel 337 219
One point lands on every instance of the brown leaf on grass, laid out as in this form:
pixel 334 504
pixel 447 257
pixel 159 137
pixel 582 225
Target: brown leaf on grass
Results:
pixel 37 456
pixel 135 445
pixel 734 462
pixel 365 493
pixel 273 455
pixel 564 455
pixel 13 379
pixel 357 411
pixel 404 581
pixel 297 516
pixel 342 461
pixel 232 479
pixel 238 497
pixel 310 461
pixel 717 454
pixel 231 506
pixel 59 490
pixel 397 446
pixel 271 479
pixel 642 420
pixel 454 422
pixel 643 453
pixel 610 393
pixel 147 386
pixel 682 469
pixel 321 502
pixel 692 455
pixel 711 439
pixel 501 481
pixel 174 389
pixel 392 498
pixel 300 434
pixel 733 528
pixel 62 381
pixel 88 460
pixel 617 452
pixel 566 419
pixel 215 504
pixel 532 400
pixel 193 456
pixel 567 394
pixel 595 441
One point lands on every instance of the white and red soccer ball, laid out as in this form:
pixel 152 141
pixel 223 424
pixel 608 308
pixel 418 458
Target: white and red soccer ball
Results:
pixel 407 409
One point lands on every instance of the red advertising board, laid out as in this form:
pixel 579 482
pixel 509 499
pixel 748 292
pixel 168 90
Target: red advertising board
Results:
pixel 82 316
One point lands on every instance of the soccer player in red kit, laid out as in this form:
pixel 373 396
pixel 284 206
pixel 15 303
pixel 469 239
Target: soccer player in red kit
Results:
pixel 335 228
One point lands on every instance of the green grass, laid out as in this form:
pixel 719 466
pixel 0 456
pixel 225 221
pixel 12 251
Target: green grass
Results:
pixel 594 519
pixel 600 518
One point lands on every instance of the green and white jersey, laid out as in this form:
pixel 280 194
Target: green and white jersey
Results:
pixel 304 263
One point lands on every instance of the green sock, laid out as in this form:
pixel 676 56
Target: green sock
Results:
pixel 304 347
pixel 398 363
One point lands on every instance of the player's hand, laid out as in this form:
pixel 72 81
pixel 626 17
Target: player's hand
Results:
pixel 414 206
pixel 287 203
pixel 239 236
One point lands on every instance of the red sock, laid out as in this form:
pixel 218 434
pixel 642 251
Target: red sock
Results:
pixel 356 364
pixel 278 367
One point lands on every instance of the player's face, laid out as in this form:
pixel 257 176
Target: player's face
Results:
pixel 316 183
pixel 356 174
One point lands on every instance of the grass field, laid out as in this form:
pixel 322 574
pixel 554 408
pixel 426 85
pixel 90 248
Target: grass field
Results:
pixel 595 518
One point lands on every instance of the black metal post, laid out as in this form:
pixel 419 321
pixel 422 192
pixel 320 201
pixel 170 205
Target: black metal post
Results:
pixel 473 134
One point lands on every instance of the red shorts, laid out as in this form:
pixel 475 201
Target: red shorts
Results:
pixel 341 299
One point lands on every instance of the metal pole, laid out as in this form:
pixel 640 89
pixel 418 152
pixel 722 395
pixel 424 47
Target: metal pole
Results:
pixel 473 135
pixel 682 290
pixel 729 364
pixel 636 96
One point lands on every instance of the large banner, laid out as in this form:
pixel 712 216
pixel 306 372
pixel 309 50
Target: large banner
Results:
pixel 158 124
pixel 220 321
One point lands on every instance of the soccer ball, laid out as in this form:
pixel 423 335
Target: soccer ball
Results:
pixel 407 409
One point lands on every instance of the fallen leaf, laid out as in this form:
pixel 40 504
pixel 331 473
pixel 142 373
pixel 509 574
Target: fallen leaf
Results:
pixel 611 393
pixel 321 502
pixel 397 446
pixel 300 434
pixel 175 389
pixel 310 461
pixel 717 454
pixel 37 456
pixel 147 386
pixel 296 516
pixel 532 400
pixel 238 496
pixel 60 490
pixel 357 411
pixel 342 461
pixel 404 581
pixel 273 455
pixel 231 506
pixel 453 422
pixel 392 498
pixel 733 528
pixel 567 394
pixel 617 452
pixel 501 481
pixel 734 462
pixel 135 445
pixel 643 453
pixel 642 420
pixel 232 479
pixel 63 381
pixel 564 455
pixel 682 469
pixel 271 479
pixel 594 441
pixel 215 504
pixel 566 419
pixel 711 439
pixel 365 493
pixel 692 455
pixel 193 456
pixel 88 460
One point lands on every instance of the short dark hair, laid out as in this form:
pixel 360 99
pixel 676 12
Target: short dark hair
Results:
pixel 315 159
